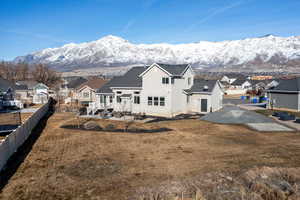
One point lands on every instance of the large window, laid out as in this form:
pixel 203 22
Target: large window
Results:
pixel 156 101
pixel 165 80
pixel 110 99
pixel 101 98
pixel 150 101
pixel 136 100
pixel 162 101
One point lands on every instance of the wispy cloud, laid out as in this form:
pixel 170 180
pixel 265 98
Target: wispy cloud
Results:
pixel 214 13
pixel 129 24
pixel 35 35
pixel 146 5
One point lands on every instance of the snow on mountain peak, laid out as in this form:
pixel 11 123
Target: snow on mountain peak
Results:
pixel 115 51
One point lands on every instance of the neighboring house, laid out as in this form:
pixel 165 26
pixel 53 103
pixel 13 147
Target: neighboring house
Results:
pixel 159 90
pixel 241 84
pixel 229 78
pixel 286 95
pixel 273 83
pixel 25 90
pixel 7 94
pixel 40 94
pixel 86 92
pixel 67 89
pixel 259 84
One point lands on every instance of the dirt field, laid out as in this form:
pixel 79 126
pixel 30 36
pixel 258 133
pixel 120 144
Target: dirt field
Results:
pixel 76 164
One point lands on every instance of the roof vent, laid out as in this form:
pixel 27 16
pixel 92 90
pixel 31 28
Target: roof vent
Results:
pixel 205 88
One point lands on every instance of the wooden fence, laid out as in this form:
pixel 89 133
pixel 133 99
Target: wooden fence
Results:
pixel 14 140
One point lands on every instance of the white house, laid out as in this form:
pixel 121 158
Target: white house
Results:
pixel 40 94
pixel 159 90
pixel 229 78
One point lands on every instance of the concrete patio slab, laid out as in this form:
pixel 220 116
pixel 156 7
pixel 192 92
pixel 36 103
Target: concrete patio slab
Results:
pixel 268 127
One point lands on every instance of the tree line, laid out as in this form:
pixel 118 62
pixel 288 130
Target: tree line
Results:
pixel 23 71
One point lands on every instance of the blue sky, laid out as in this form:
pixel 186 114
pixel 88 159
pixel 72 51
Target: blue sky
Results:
pixel 31 25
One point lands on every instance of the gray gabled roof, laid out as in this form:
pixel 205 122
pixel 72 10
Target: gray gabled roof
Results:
pixel 5 85
pixel 21 87
pixel 174 70
pixel 202 85
pixel 76 82
pixel 129 79
pixel 289 85
pixel 239 81
pixel 29 83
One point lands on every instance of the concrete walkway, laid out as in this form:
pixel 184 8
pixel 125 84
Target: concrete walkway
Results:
pixel 237 115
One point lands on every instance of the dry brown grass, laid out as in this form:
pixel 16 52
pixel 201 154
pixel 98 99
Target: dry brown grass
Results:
pixel 74 164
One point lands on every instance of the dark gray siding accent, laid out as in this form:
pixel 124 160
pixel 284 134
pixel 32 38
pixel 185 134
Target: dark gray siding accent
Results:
pixel 290 101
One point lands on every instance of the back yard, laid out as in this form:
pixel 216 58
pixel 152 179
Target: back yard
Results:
pixel 79 164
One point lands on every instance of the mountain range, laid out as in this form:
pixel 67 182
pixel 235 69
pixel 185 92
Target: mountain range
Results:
pixel 268 53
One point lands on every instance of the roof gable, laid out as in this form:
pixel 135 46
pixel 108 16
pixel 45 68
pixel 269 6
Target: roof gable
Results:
pixel 93 83
pixel 41 86
pixel 76 82
pixel 171 70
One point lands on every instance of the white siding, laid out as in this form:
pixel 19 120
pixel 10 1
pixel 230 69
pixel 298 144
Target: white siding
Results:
pixel 153 87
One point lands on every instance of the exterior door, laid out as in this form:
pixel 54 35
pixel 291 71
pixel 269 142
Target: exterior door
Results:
pixel 203 105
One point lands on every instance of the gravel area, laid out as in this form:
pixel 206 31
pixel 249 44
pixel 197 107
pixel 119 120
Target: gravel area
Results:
pixel 236 115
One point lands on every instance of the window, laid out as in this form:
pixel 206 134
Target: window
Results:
pixel 110 99
pixel 165 80
pixel 136 100
pixel 189 81
pixel 119 100
pixel 101 98
pixel 149 101
pixel 136 92
pixel 119 92
pixel 86 94
pixel 156 101
pixel 162 101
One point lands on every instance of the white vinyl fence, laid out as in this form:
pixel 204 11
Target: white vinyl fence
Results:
pixel 14 140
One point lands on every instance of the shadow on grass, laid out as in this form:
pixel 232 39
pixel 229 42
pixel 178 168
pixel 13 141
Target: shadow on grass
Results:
pixel 115 130
pixel 17 158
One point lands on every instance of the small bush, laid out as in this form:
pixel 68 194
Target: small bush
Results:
pixel 110 127
pixel 91 125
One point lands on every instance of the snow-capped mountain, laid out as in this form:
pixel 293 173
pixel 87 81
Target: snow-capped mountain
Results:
pixel 114 51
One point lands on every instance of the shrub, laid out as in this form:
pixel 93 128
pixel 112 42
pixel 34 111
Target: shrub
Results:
pixel 91 125
pixel 110 127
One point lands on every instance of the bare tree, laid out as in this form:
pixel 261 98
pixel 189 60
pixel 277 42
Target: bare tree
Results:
pixel 41 73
